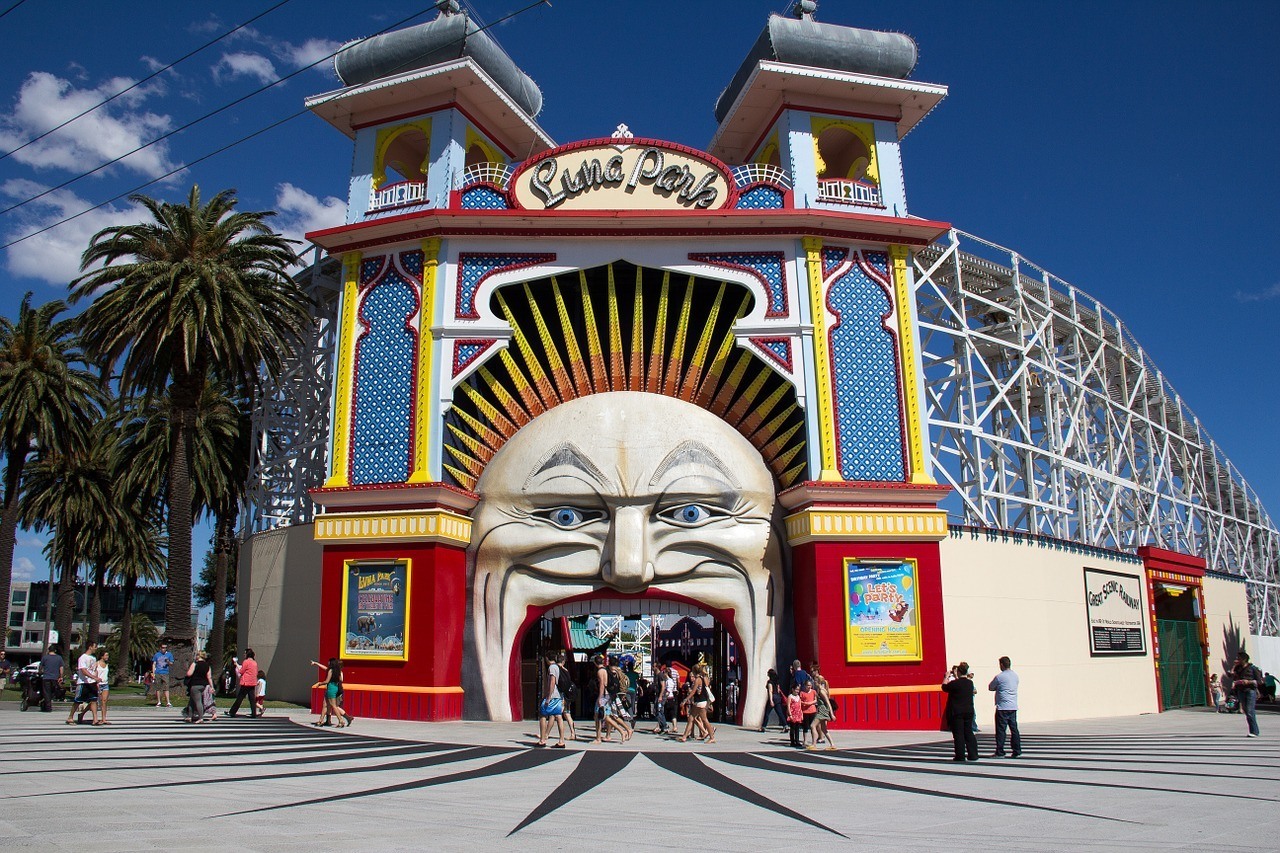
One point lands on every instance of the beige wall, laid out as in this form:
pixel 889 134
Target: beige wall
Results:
pixel 275 567
pixel 1226 619
pixel 1027 601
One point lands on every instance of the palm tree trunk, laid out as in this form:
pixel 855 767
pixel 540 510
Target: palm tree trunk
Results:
pixel 223 542
pixel 15 459
pixel 95 604
pixel 177 600
pixel 124 668
pixel 66 608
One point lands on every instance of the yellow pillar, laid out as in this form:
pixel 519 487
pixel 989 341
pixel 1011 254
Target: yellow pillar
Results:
pixel 821 362
pixel 918 471
pixel 340 418
pixel 426 375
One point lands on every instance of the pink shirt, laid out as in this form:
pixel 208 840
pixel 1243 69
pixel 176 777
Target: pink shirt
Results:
pixel 249 673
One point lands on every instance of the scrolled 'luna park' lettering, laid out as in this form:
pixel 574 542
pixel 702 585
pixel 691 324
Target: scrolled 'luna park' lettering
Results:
pixel 555 180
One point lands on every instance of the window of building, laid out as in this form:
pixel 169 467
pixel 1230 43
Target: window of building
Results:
pixel 16 618
pixel 20 596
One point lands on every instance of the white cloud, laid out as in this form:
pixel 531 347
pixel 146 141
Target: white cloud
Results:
pixel 45 101
pixel 1272 292
pixel 25 570
pixel 255 65
pixel 30 540
pixel 300 212
pixel 310 51
pixel 54 256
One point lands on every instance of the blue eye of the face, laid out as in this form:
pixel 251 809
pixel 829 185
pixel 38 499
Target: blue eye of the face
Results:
pixel 688 515
pixel 568 517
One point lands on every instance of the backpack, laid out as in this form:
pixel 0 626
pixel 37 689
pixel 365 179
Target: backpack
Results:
pixel 614 684
pixel 565 684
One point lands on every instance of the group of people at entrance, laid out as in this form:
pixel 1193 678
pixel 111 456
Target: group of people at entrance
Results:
pixel 961 718
pixel 611 696
pixel 803 705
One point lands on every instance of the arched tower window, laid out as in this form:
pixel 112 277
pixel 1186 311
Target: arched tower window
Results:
pixel 845 156
pixel 403 154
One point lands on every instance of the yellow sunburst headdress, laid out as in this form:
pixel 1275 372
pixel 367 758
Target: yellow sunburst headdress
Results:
pixel 623 328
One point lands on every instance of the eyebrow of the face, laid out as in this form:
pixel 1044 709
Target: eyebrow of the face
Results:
pixel 567 454
pixel 697 453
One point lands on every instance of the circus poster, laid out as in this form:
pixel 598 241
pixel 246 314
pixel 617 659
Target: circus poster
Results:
pixel 375 610
pixel 881 610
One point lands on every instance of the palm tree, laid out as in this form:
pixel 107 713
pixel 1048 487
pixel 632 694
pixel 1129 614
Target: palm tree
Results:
pixel 138 635
pixel 69 493
pixel 47 400
pixel 200 291
pixel 139 557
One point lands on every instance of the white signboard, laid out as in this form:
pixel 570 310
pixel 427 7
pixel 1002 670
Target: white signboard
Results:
pixel 1113 603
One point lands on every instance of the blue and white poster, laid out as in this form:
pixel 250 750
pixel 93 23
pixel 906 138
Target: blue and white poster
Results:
pixel 375 610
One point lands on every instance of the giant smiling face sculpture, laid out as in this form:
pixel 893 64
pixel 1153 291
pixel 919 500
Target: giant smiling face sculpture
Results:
pixel 620 491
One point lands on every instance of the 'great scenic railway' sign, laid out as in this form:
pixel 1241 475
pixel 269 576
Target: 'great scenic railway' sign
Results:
pixel 636 175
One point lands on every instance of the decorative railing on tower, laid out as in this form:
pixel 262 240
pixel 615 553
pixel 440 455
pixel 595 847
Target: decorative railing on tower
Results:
pixel 847 191
pixel 498 174
pixel 399 194
pixel 291 421
pixel 1047 417
pixel 761 173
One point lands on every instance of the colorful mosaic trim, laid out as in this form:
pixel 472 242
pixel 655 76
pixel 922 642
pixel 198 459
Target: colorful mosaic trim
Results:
pixel 466 351
pixel 852 524
pixel 481 197
pixel 475 267
pixel 436 525
pixel 761 197
pixel 766 267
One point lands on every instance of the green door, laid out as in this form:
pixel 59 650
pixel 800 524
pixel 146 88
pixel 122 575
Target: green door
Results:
pixel 1181 663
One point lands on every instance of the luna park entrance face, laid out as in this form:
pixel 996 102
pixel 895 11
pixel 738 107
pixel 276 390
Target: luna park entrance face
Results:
pixel 637 634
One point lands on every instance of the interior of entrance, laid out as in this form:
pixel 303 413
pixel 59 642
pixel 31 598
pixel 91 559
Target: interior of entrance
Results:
pixel 676 634
pixel 1181 650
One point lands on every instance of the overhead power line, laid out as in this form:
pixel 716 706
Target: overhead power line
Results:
pixel 146 79
pixel 242 139
pixel 11 8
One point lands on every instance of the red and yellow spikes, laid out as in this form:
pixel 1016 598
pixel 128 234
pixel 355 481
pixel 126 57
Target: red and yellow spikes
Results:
pixel 559 376
pixel 617 368
pixel 481 453
pixel 760 437
pixel 697 365
pixel 789 477
pixel 774 449
pixel 467 481
pixel 720 405
pixel 492 439
pixel 581 381
pixel 490 412
pixel 747 400
pixel 751 422
pixel 595 355
pixel 524 387
pixel 508 403
pixel 635 367
pixel 675 362
pixel 653 378
pixel 544 389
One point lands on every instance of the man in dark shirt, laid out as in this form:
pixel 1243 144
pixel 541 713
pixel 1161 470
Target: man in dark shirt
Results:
pixel 1245 681
pixel 799 677
pixel 960 713
pixel 51 670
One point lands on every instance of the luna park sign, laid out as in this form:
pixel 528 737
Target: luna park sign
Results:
pixel 640 175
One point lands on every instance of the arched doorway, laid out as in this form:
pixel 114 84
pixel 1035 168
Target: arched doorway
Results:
pixel 640 630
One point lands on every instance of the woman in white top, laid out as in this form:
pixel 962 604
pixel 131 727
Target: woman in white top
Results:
pixel 104 687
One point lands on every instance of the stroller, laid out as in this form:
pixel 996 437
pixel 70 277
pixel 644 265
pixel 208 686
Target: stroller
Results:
pixel 29 690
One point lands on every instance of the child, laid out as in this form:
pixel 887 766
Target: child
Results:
pixel 1219 696
pixel 260 692
pixel 795 715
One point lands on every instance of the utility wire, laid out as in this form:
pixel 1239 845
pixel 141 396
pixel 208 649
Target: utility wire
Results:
pixel 149 77
pixel 242 139
pixel 69 181
pixel 11 8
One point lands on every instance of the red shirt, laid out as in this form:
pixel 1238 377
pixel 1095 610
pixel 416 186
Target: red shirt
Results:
pixel 249 673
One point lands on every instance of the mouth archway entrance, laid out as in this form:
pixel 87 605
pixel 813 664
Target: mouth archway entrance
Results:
pixel 647 629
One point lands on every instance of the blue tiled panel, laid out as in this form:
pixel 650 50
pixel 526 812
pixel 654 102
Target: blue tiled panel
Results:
pixel 383 409
pixel 761 198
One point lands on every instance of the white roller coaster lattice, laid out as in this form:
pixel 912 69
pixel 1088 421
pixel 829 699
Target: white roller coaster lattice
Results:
pixel 1047 418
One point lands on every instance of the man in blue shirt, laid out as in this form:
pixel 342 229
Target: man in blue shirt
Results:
pixel 160 663
pixel 51 669
pixel 799 677
pixel 1005 686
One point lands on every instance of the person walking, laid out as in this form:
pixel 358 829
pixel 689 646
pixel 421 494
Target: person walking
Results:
pixel 568 690
pixel 809 712
pixel 199 676
pixel 1245 681
pixel 700 701
pixel 775 701
pixel 52 668
pixel 960 712
pixel 1005 686
pixel 248 685
pixel 161 661
pixel 552 705
pixel 104 685
pixel 795 715
pixel 826 710
pixel 86 678
pixel 332 691
pixel 663 692
pixel 605 721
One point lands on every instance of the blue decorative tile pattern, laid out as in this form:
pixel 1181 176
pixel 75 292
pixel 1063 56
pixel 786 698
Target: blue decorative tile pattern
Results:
pixel 864 371
pixel 382 418
pixel 761 197
pixel 831 259
pixel 411 262
pixel 474 268
pixel 483 198
pixel 766 267
pixel 371 268
pixel 467 351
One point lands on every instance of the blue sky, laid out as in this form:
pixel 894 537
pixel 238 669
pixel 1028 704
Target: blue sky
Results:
pixel 1126 147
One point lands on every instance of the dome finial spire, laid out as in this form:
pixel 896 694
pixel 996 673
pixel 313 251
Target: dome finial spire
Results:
pixel 804 9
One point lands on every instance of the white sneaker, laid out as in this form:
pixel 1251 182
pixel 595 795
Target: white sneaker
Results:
pixel 1250 734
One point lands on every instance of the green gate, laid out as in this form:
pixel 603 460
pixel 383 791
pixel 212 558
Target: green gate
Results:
pixel 1181 663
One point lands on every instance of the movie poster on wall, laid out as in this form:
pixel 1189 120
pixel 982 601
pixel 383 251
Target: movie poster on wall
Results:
pixel 375 610
pixel 1114 605
pixel 881 611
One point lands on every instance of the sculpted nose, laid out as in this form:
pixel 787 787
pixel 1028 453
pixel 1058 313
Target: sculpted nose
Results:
pixel 627 567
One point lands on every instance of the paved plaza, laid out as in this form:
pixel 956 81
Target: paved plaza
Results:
pixel 1185 779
